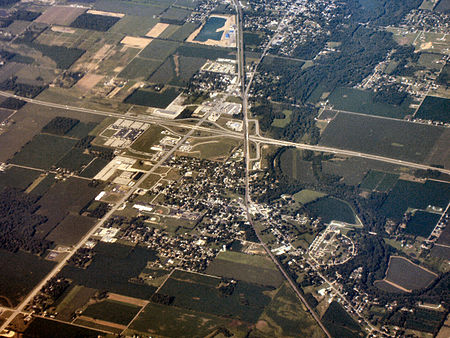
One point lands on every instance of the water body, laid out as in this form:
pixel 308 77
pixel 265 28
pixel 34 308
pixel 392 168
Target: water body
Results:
pixel 209 30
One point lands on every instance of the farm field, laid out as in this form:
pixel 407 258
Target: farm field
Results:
pixel 422 223
pixel 362 101
pixel 244 301
pixel 435 109
pixel 71 230
pixel 94 168
pixel 111 269
pixel 292 165
pixel 159 49
pixel 112 311
pixel 419 319
pixel 44 185
pixel 396 139
pixel 43 151
pixel 19 178
pixel 407 275
pixel 339 323
pixel 177 70
pixel 153 99
pixel 75 160
pixel 406 194
pixel 194 50
pixel 41 327
pixel 286 316
pixel 149 138
pixel 379 181
pixel 307 196
pixel 329 209
pixel 60 15
pixel 139 68
pixel 248 268
pixel 94 22
pixel 21 271
pixel 73 299
pixel 134 8
pixel 134 25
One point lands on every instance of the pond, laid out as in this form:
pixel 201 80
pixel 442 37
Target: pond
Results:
pixel 209 30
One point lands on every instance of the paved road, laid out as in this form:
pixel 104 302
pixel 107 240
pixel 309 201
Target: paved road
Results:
pixel 99 224
pixel 244 93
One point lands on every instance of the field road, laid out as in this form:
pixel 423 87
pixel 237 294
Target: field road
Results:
pixel 99 224
pixel 263 140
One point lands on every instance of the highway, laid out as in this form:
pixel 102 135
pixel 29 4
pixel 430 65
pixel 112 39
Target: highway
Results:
pixel 244 94
pixel 20 308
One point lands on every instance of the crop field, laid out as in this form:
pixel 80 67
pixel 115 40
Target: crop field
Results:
pixel 60 15
pixel 385 286
pixel 19 178
pixel 294 167
pixel 183 32
pixel 406 194
pixel 81 129
pixel 307 196
pixel 211 53
pixel 94 22
pixel 362 101
pixel 379 181
pixel 139 68
pixel 134 25
pixel 130 8
pixel 152 99
pixel 112 311
pixel 175 14
pixel 408 275
pixel 73 299
pixel 248 268
pixel 71 230
pixel 170 321
pixel 41 327
pixel 21 271
pixel 74 160
pixel 44 185
pixel 159 49
pixel 339 323
pixel 424 320
pixel 396 139
pixel 329 209
pixel 422 223
pixel 177 70
pixel 201 293
pixel 64 57
pixel 43 151
pixel 111 269
pixel 286 316
pixel 94 168
pixel 69 196
pixel 435 109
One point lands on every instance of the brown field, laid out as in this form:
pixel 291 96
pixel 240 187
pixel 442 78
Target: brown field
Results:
pixel 116 15
pixel 157 30
pixel 134 42
pixel 128 300
pixel 89 81
pixel 62 29
pixel 102 322
pixel 60 15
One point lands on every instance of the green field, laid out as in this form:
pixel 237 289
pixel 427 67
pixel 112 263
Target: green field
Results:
pixel 141 9
pixel 362 101
pixel 177 70
pixel 43 151
pixel 379 181
pixel 339 323
pixel 307 196
pixel 153 99
pixel 435 109
pixel 41 327
pixel 112 268
pixel 395 139
pixel 249 268
pixel 21 271
pixel 112 311
pixel 292 165
pixel 183 32
pixel 139 68
pixel 74 298
pixel 94 168
pixel 281 123
pixel 244 301
pixel 75 160
pixel 329 209
pixel 406 194
pixel 159 49
pixel 422 223
pixel 94 22
pixel 149 138
pixel 71 230
pixel 44 185
pixel 63 56
pixel 212 53
pixel 134 25
pixel 18 178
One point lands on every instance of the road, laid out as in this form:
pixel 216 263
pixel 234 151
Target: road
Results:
pixel 244 93
pixel 20 308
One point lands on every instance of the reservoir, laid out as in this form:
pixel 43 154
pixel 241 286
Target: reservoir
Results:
pixel 209 30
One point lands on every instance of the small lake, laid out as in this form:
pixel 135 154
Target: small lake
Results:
pixel 209 30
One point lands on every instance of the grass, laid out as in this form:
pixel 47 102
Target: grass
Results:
pixel 217 150
pixel 73 299
pixel 43 151
pixel 307 196
pixel 177 70
pixel 379 181
pixel 81 129
pixel 212 53
pixel 435 109
pixel 149 138
pixel 362 101
pixel 152 99
pixel 183 32
pixel 408 275
pixel 134 25
pixel 339 323
pixel 21 271
pixel 281 123
pixel 329 209
pixel 390 138
pixel 248 268
pixel 112 311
